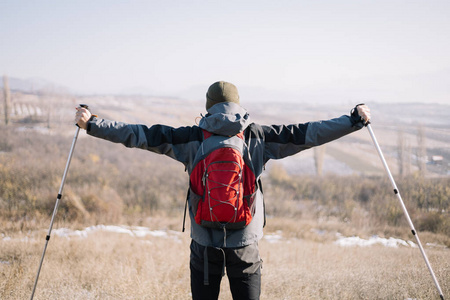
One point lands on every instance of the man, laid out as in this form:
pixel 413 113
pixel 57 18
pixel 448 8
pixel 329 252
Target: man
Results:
pixel 237 251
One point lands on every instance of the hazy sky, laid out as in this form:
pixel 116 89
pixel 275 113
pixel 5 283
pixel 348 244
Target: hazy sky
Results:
pixel 382 50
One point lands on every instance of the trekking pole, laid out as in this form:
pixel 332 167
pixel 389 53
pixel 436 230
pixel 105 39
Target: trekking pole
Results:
pixel 397 193
pixel 58 198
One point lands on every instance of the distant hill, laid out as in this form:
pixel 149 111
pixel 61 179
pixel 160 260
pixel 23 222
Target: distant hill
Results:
pixel 396 126
pixel 34 85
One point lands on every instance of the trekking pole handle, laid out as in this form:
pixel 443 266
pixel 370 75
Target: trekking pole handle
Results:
pixel 83 106
pixel 86 107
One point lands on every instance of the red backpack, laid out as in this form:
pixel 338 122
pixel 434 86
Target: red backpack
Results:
pixel 222 183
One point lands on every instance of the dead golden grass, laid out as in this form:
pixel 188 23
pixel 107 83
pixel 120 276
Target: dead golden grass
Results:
pixel 310 270
pixel 106 265
pixel 102 266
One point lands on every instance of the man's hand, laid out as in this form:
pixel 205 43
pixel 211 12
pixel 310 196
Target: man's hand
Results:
pixel 82 117
pixel 364 113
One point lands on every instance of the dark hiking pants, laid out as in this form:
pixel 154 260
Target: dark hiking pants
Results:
pixel 242 266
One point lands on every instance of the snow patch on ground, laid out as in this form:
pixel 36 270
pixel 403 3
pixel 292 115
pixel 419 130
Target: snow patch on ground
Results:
pixel 134 231
pixel 141 232
pixel 353 241
pixel 274 237
pixel 374 240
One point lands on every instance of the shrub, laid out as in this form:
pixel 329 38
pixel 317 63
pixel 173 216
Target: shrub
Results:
pixel 108 182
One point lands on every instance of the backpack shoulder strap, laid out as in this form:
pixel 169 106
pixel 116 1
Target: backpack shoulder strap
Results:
pixel 206 134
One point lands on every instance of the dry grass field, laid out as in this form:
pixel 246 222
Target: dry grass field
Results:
pixel 112 265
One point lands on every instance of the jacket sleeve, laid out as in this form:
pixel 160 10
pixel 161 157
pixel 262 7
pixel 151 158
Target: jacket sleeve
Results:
pixel 180 143
pixel 285 140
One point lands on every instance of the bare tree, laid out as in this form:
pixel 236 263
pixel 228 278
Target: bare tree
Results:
pixel 319 154
pixel 7 98
pixel 404 154
pixel 407 159
pixel 421 150
pixel 401 153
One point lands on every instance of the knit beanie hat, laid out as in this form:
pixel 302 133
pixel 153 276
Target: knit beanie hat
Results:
pixel 221 91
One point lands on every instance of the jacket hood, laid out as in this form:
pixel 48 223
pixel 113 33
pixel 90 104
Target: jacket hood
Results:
pixel 225 118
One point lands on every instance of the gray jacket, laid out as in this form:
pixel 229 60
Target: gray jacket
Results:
pixel 263 142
